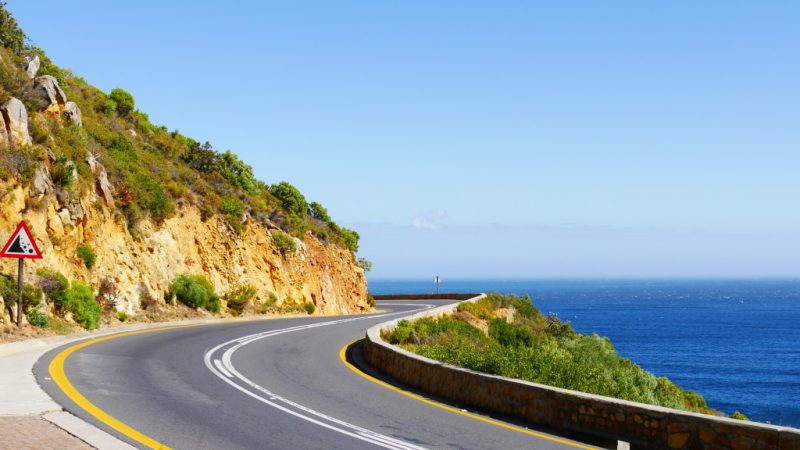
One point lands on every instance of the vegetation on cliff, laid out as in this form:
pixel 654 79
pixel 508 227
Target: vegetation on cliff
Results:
pixel 508 336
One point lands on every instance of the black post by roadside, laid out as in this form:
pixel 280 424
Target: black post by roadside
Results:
pixel 19 286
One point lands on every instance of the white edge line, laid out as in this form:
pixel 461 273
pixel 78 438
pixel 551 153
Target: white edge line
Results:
pixel 225 370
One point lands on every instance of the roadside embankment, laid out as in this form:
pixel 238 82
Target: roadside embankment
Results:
pixel 642 425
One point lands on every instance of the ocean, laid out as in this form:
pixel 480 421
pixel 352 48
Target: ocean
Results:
pixel 736 342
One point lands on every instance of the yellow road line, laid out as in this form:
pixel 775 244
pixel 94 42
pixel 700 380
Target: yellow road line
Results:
pixel 59 376
pixel 343 357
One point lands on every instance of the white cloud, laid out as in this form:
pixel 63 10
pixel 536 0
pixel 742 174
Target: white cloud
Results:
pixel 429 220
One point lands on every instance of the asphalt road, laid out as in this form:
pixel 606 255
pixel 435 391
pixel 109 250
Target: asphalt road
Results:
pixel 272 384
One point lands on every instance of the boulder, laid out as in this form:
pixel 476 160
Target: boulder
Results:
pixel 41 184
pixel 3 133
pixel 48 88
pixel 16 122
pixel 32 65
pixel 101 180
pixel 73 113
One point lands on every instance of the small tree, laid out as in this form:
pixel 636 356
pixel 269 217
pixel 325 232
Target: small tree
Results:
pixel 123 100
pixel 350 239
pixel 365 264
pixel 291 199
pixel 318 212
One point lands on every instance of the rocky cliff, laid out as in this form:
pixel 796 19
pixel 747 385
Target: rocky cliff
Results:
pixel 143 267
pixel 86 169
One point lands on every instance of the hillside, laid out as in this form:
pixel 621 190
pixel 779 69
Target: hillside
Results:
pixel 127 206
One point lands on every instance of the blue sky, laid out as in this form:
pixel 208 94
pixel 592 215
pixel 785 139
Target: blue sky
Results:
pixel 485 139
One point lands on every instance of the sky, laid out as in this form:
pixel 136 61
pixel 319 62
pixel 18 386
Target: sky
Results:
pixel 484 139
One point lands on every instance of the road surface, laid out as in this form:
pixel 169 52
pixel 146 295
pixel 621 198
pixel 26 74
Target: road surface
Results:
pixel 270 384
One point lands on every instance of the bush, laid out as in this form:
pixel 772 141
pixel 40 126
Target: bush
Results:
pixel 739 416
pixel 232 207
pixel 54 286
pixel 317 211
pixel 350 239
pixel 63 171
pixel 79 300
pixel 291 199
pixel 237 172
pixel 238 298
pixel 284 242
pixel 268 305
pixel 31 295
pixel 309 308
pixel 38 319
pixel 194 291
pixel 370 300
pixel 11 36
pixel 123 100
pixel 86 253
pixel 365 264
pixel 509 335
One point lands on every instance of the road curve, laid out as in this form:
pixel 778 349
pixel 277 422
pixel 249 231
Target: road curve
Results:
pixel 271 384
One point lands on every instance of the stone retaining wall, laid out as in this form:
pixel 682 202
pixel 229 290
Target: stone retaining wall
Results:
pixel 644 426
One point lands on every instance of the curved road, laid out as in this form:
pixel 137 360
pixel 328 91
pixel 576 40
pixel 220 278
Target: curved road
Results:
pixel 273 384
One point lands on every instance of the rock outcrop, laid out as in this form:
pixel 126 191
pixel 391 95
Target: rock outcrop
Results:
pixel 48 88
pixel 103 186
pixel 73 113
pixel 15 117
pixel 3 131
pixel 32 65
pixel 42 183
pixel 143 266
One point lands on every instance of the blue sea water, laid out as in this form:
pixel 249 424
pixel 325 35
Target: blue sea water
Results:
pixel 736 342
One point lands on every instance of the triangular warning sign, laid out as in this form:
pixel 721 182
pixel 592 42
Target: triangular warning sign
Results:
pixel 21 244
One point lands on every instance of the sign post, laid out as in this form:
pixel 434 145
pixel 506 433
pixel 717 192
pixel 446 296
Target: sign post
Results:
pixel 22 246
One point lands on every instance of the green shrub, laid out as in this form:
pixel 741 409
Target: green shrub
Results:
pixel 214 304
pixel 86 253
pixel 79 300
pixel 122 316
pixel 284 242
pixel 370 300
pixel 739 416
pixel 54 285
pixel 365 264
pixel 238 298
pixel 38 319
pixel 317 211
pixel 509 335
pixel 350 239
pixel 194 291
pixel 237 172
pixel 123 100
pixel 309 308
pixel 268 305
pixel 31 295
pixel 232 206
pixel 63 171
pixel 291 199
pixel 11 35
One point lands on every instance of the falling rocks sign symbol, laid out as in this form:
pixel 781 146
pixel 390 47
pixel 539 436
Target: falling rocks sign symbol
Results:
pixel 21 244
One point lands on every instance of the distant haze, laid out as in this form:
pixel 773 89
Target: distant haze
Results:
pixel 514 252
